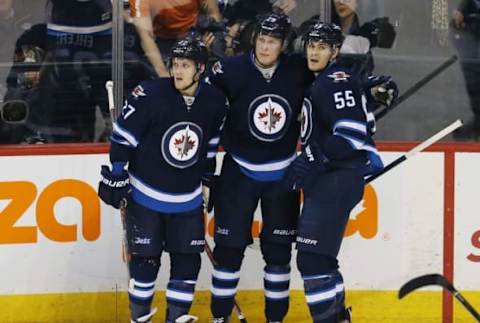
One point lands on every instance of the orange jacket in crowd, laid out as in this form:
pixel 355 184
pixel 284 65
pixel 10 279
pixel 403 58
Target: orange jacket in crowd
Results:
pixel 171 18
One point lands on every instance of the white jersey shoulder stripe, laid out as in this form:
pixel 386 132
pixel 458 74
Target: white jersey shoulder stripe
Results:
pixel 125 134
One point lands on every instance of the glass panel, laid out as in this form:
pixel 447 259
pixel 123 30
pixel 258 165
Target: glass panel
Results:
pixel 55 90
pixel 420 59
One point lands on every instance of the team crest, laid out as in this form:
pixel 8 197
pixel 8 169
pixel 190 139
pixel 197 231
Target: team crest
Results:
pixel 305 121
pixel 339 76
pixel 269 116
pixel 138 92
pixel 181 144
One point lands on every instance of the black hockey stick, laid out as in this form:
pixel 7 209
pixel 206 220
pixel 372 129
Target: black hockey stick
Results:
pixel 436 280
pixel 236 307
pixel 381 112
pixel 436 137
pixel 123 203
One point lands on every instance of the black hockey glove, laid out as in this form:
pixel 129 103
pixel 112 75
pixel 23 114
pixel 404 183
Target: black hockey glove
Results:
pixel 208 188
pixel 114 185
pixel 304 169
pixel 380 32
pixel 381 89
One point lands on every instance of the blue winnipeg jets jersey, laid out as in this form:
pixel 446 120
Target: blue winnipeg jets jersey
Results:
pixel 262 128
pixel 334 114
pixel 168 144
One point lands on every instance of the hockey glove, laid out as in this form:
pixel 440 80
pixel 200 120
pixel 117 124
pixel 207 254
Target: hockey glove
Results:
pixel 114 185
pixel 374 164
pixel 381 89
pixel 380 32
pixel 305 167
pixel 208 189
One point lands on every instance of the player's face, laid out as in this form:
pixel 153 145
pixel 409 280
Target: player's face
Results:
pixel 319 55
pixel 345 8
pixel 267 50
pixel 184 72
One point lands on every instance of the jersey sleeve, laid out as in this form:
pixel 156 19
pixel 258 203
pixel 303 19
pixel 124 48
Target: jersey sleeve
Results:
pixel 131 125
pixel 342 107
pixel 217 76
pixel 214 143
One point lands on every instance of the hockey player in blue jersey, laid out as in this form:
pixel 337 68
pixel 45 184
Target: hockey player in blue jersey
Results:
pixel 163 143
pixel 336 146
pixel 265 89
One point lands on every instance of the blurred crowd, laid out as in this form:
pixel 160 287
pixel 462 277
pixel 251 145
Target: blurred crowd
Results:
pixel 53 66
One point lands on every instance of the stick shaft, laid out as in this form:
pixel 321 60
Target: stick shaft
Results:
pixel 111 102
pixel 436 137
pixel 123 214
pixel 380 113
pixel 467 305
pixel 387 168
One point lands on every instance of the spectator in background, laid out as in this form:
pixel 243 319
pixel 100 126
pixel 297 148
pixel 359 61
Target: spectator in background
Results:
pixel 161 22
pixel 74 50
pixel 466 38
pixel 241 18
pixel 77 67
pixel 13 23
pixel 135 70
pixel 360 38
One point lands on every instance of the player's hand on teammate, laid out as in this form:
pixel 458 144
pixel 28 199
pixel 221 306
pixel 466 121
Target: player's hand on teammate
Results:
pixel 305 167
pixel 381 89
pixel 114 185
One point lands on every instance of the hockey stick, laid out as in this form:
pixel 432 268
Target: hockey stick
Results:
pixel 381 112
pixel 123 203
pixel 436 137
pixel 236 307
pixel 439 135
pixel 436 280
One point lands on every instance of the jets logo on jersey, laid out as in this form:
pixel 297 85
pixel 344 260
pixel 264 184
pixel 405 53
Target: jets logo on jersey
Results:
pixel 138 92
pixel 181 144
pixel 305 121
pixel 269 116
pixel 217 68
pixel 339 76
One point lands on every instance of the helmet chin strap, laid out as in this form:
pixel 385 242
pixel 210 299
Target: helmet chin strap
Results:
pixel 257 61
pixel 189 86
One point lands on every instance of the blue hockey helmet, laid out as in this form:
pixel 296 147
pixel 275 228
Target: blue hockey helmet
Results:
pixel 327 33
pixel 275 25
pixel 191 48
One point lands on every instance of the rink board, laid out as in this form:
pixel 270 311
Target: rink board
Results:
pixel 60 246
